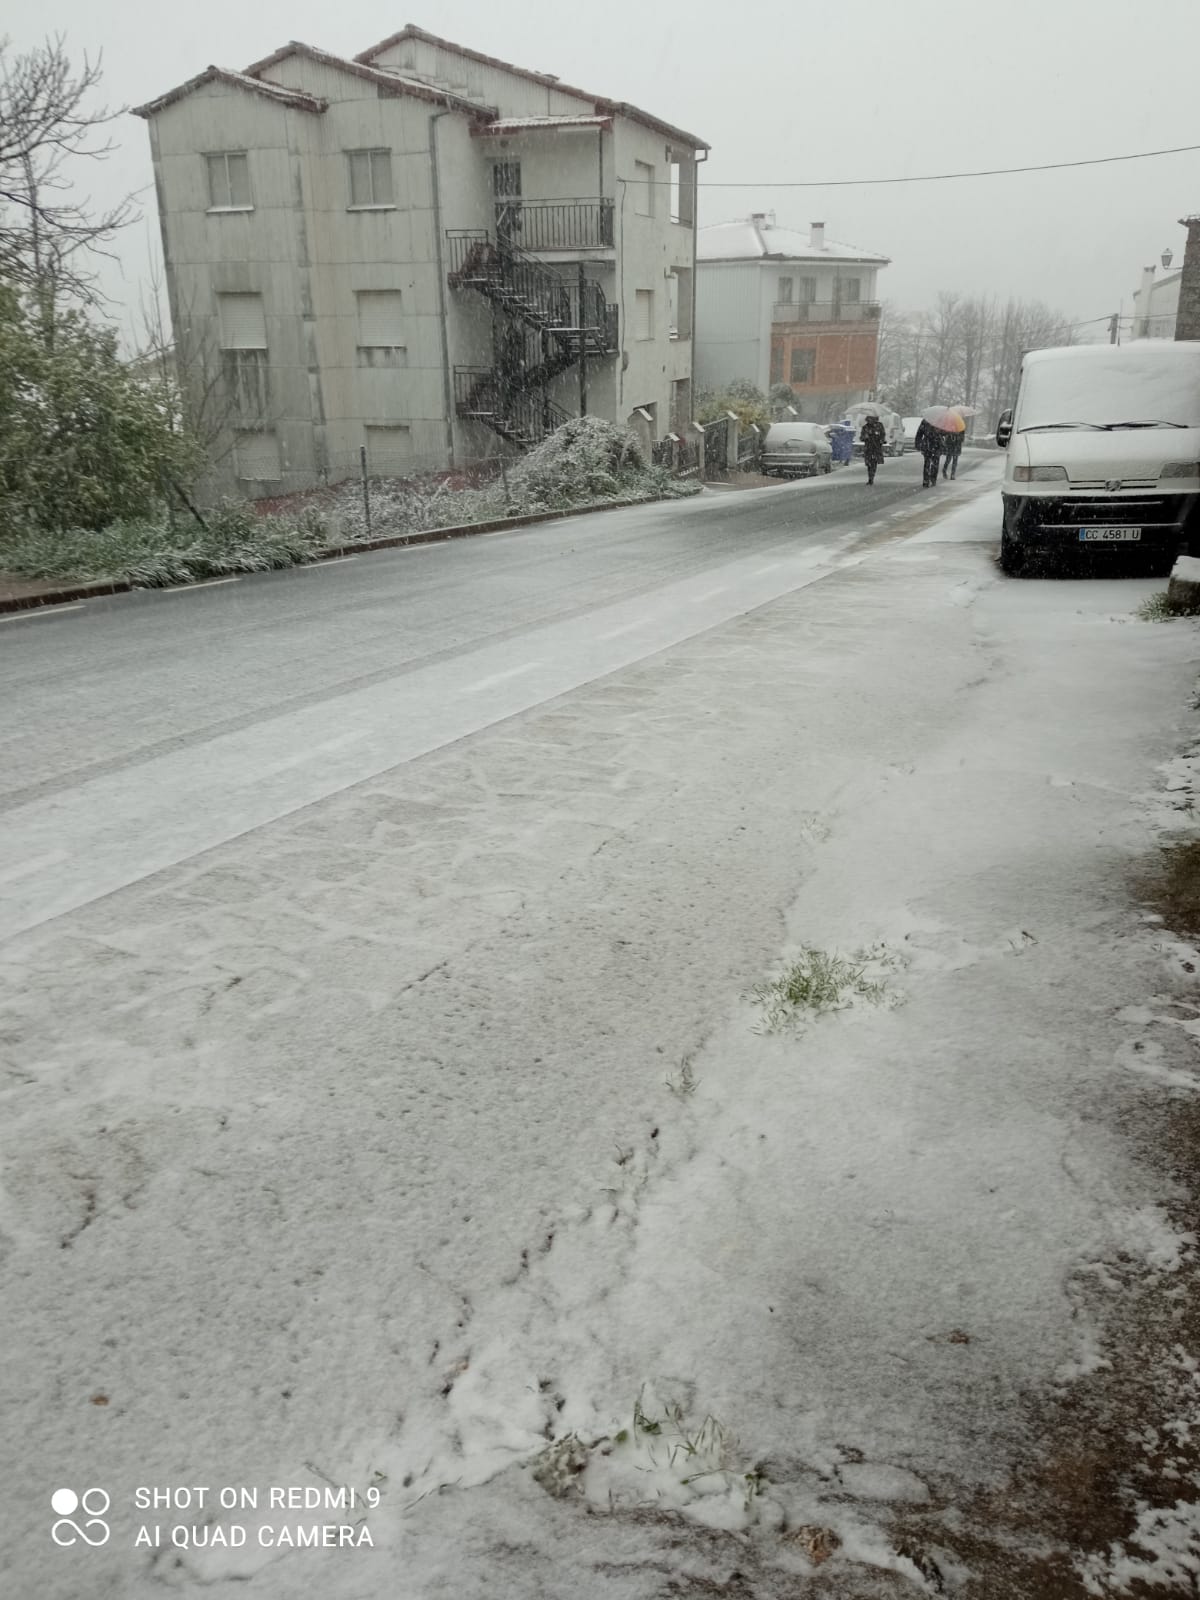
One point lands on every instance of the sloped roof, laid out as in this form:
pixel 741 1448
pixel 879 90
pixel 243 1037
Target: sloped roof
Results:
pixel 757 239
pixel 295 98
pixel 600 103
pixel 382 77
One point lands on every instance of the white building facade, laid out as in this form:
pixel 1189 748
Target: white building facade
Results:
pixel 775 306
pixel 424 252
pixel 1156 305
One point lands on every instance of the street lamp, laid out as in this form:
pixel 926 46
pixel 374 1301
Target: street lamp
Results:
pixel 1168 256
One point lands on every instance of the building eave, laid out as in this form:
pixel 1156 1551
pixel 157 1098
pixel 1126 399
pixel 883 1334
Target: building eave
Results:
pixel 294 99
pixel 601 105
pixel 390 82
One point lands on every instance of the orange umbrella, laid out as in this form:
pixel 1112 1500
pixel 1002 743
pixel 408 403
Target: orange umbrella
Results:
pixel 945 419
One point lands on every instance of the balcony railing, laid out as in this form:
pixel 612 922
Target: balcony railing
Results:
pixel 556 224
pixel 825 311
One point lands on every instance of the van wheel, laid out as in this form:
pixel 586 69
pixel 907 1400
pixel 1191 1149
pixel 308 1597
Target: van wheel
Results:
pixel 1012 556
pixel 827 468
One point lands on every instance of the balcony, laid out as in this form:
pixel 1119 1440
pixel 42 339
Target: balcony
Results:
pixel 538 225
pixel 825 311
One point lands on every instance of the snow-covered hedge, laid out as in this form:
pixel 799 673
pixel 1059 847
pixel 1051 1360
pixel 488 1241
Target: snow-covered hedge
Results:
pixel 586 462
pixel 150 553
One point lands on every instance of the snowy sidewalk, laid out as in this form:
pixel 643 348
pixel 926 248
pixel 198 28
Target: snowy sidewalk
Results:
pixel 424 1140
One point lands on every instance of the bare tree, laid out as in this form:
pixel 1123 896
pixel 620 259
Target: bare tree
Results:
pixel 47 120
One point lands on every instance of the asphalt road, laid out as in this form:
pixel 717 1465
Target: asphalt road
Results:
pixel 131 675
pixel 153 726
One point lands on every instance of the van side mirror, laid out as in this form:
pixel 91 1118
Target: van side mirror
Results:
pixel 1004 430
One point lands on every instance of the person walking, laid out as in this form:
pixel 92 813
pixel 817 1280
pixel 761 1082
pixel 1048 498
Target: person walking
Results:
pixel 874 437
pixel 954 444
pixel 929 442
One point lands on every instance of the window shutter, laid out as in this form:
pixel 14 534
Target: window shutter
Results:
pixel 360 178
pixel 243 322
pixel 258 457
pixel 389 447
pixel 239 179
pixel 380 318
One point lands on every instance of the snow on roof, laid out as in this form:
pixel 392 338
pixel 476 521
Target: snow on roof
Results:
pixel 599 102
pixel 1137 353
pixel 533 124
pixel 295 98
pixel 382 77
pixel 757 238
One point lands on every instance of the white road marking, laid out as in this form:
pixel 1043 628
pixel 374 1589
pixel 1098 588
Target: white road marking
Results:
pixel 499 677
pixel 334 561
pixel 709 594
pixel 32 613
pixel 770 567
pixel 626 627
pixel 209 583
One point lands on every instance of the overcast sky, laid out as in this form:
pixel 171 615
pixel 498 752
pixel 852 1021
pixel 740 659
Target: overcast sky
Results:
pixel 790 92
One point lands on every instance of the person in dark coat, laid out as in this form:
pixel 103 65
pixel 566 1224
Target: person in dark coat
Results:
pixel 954 444
pixel 874 437
pixel 930 442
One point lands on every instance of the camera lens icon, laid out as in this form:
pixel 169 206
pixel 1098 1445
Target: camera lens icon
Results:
pixel 92 1529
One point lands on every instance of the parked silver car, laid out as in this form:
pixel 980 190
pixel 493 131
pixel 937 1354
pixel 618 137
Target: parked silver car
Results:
pixel 796 450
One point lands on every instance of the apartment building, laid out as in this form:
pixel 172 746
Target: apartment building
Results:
pixel 776 306
pixel 422 251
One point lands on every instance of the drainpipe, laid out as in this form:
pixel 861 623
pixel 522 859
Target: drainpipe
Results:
pixel 699 158
pixel 447 385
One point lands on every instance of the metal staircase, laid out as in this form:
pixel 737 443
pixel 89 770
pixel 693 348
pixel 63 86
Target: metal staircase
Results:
pixel 572 318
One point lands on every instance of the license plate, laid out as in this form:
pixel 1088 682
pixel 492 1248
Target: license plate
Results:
pixel 1110 535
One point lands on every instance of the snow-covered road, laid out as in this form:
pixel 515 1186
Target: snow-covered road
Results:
pixel 401 1120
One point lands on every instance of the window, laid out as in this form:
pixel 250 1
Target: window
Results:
pixel 681 315
pixel 506 179
pixel 803 363
pixel 808 291
pixel 243 322
pixel 389 447
pixel 849 289
pixel 784 293
pixel 777 363
pixel 370 178
pixel 258 456
pixel 643 189
pixel 380 318
pixel 681 404
pixel 229 181
pixel 681 189
pixel 643 314
pixel 244 343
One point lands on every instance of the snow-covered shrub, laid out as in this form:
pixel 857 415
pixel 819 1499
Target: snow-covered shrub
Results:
pixel 150 552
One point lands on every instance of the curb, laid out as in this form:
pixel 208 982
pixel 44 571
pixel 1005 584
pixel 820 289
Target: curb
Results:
pixel 94 591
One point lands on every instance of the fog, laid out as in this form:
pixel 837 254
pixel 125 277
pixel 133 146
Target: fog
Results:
pixel 790 95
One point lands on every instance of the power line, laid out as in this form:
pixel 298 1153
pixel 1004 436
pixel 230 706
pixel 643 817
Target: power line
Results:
pixel 949 177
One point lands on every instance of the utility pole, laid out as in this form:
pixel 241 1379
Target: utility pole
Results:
pixel 1114 323
pixel 1187 320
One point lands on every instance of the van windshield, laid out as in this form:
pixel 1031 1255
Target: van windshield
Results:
pixel 1127 389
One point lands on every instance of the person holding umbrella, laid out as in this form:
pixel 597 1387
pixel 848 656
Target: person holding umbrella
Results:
pixel 954 444
pixel 929 442
pixel 874 437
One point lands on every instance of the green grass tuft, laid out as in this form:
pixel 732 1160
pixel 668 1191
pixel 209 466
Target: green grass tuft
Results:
pixel 816 982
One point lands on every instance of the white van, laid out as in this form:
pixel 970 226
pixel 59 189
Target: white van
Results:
pixel 1103 450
